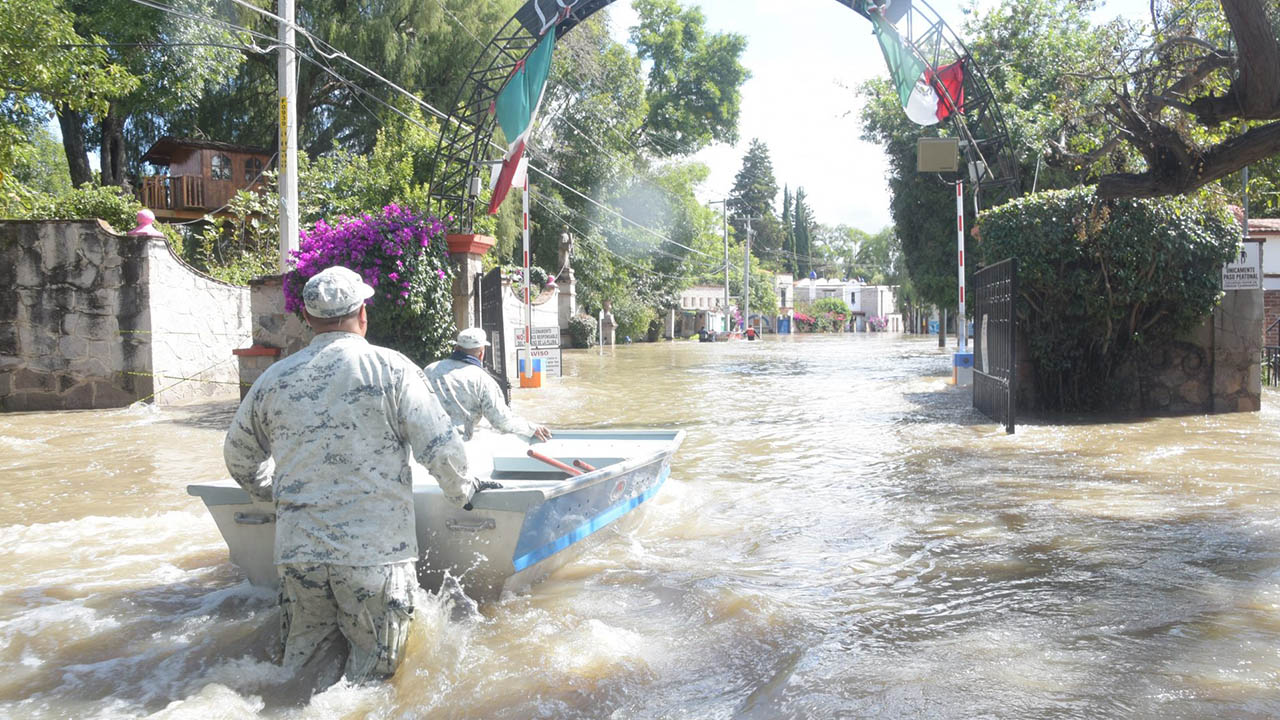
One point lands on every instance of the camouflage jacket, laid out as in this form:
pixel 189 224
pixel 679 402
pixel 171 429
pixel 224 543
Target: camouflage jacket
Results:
pixel 338 419
pixel 468 393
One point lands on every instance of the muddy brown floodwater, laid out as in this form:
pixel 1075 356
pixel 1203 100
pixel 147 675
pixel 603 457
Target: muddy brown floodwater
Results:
pixel 842 536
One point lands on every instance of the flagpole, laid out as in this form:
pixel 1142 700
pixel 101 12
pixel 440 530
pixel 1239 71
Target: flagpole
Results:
pixel 528 302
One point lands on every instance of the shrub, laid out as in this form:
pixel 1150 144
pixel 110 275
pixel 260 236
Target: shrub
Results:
pixel 515 275
pixel 582 329
pixel 402 255
pixel 804 323
pixel 244 244
pixel 633 318
pixel 1102 280
pixel 110 204
pixel 825 315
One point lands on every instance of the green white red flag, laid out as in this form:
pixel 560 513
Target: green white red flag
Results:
pixel 517 108
pixel 927 97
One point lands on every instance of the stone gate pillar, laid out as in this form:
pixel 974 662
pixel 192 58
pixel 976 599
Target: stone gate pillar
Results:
pixel 466 252
pixel 568 287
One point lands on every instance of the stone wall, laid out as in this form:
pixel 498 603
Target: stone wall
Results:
pixel 1214 368
pixel 276 333
pixel 90 318
pixel 196 322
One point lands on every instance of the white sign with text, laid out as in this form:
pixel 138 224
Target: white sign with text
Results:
pixel 1245 271
pixel 543 337
pixel 550 361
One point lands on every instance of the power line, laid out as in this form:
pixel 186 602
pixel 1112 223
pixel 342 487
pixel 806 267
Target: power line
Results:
pixel 604 246
pixel 342 55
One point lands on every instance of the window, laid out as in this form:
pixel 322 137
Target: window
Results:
pixel 220 167
pixel 252 169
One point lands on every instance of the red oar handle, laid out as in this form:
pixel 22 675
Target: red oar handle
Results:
pixel 554 463
pixel 584 466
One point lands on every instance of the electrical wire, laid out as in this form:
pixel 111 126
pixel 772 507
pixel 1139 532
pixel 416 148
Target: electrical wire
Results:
pixel 314 41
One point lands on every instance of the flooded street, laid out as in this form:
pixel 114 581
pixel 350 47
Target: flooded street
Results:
pixel 842 536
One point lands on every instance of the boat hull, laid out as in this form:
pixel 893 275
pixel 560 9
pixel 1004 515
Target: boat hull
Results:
pixel 515 536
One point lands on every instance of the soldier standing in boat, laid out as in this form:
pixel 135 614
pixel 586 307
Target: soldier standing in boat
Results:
pixel 468 393
pixel 336 422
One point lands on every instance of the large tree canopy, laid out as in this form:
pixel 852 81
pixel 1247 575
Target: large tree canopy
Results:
pixel 1198 98
pixel 694 77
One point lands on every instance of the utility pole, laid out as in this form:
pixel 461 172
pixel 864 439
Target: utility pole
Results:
pixel 287 82
pixel 724 232
pixel 746 274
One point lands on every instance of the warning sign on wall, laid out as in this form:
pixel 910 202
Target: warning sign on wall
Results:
pixel 1245 271
pixel 550 360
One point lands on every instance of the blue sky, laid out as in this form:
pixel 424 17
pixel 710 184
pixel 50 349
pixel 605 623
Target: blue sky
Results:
pixel 805 57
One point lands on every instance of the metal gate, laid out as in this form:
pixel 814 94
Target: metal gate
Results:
pixel 488 309
pixel 995 356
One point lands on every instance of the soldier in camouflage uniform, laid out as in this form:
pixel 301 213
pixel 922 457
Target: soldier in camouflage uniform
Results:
pixel 468 393
pixel 331 427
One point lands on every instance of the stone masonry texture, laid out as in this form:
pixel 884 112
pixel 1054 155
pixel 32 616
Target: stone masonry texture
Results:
pixel 90 318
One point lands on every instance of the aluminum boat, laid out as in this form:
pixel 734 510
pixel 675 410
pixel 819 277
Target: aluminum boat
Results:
pixel 513 536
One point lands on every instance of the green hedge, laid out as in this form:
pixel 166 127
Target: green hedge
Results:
pixel 111 204
pixel 1101 281
pixel 582 328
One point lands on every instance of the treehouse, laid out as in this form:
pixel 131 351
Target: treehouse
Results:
pixel 198 177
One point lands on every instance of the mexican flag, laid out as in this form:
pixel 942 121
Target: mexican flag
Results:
pixel 927 97
pixel 516 108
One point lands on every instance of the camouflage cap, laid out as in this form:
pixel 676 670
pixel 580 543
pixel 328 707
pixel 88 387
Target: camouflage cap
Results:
pixel 334 292
pixel 471 338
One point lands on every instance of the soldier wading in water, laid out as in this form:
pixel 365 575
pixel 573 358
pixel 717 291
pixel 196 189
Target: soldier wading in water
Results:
pixel 339 418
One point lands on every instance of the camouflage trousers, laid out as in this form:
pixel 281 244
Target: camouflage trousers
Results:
pixel 370 606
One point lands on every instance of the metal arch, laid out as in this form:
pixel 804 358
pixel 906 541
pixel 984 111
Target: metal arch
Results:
pixel 980 124
pixel 469 128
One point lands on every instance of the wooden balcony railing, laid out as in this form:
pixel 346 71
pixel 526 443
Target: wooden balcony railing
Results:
pixel 163 192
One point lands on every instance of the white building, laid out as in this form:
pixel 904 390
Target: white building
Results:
pixel 702 307
pixel 865 301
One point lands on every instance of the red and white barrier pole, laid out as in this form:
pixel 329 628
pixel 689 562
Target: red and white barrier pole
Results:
pixel 528 302
pixel 961 323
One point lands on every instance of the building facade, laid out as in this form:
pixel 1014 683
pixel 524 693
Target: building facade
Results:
pixel 198 177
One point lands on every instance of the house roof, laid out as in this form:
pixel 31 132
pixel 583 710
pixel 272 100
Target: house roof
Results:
pixel 161 153
pixel 1264 225
pixel 1256 225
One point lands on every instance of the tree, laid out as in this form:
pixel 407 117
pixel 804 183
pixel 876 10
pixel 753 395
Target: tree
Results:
pixel 694 77
pixel 44 62
pixel 788 232
pixel 1197 99
pixel 754 188
pixel 1031 51
pixel 803 227
pixel 878 258
pixel 172 59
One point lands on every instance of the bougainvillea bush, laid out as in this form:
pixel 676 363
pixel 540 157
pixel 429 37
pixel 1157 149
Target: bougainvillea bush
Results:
pixel 402 255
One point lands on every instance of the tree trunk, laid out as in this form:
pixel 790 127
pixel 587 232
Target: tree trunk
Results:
pixel 1181 176
pixel 111 149
pixel 71 123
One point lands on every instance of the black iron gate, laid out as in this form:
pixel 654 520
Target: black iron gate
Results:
pixel 994 342
pixel 488 309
